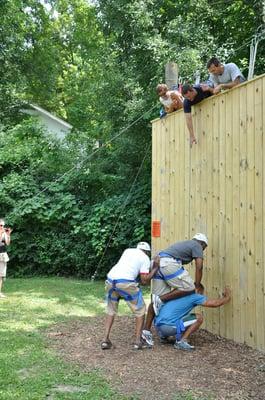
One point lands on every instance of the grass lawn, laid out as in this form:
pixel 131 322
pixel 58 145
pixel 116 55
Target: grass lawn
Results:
pixel 28 368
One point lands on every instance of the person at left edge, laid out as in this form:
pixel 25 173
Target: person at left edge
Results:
pixel 5 234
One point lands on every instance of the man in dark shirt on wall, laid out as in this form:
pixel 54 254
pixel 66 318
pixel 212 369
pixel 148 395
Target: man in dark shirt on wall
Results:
pixel 193 95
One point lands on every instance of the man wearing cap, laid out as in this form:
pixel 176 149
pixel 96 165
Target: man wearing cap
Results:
pixel 172 280
pixel 122 283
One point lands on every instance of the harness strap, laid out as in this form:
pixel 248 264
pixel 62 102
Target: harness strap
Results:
pixel 162 254
pixel 125 295
pixel 179 329
pixel 161 276
pixel 115 281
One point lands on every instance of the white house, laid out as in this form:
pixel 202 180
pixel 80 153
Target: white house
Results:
pixel 52 123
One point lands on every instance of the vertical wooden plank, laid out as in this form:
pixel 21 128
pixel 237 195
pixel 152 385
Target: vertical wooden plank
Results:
pixel 163 206
pixel 178 160
pixel 198 165
pixel 172 181
pixel 228 269
pixel 243 212
pixel 208 207
pixel 166 154
pixel 235 302
pixel 196 177
pixel 160 147
pixel 193 178
pixel 263 196
pixel 214 244
pixel 259 227
pixel 251 271
pixel 203 156
pixel 222 210
pixel 155 180
pixel 187 174
pixel 181 193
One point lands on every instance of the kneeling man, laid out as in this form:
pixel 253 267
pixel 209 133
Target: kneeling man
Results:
pixel 174 318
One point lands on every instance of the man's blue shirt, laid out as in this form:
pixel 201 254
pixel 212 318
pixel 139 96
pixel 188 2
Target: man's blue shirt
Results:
pixel 174 310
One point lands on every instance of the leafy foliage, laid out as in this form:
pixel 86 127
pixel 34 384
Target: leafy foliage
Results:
pixel 74 206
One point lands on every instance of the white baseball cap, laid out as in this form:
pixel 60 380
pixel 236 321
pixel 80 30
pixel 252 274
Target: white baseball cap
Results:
pixel 201 237
pixel 143 246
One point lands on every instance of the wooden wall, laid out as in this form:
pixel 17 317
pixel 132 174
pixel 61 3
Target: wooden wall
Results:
pixel 218 188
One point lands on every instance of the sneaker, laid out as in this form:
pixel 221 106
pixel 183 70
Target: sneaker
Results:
pixel 157 303
pixel 138 346
pixel 183 345
pixel 141 345
pixel 2 296
pixel 147 337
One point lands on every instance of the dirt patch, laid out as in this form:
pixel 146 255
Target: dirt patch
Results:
pixel 218 368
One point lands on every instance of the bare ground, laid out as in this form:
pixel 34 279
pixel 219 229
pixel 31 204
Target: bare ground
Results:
pixel 218 369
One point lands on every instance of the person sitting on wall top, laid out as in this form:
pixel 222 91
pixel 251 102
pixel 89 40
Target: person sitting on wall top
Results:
pixel 175 319
pixel 223 76
pixel 172 100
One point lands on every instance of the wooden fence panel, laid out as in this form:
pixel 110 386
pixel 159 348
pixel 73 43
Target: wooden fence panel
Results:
pixel 218 187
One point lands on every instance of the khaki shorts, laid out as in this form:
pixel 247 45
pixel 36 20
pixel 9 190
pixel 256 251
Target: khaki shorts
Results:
pixel 182 281
pixel 137 306
pixel 3 265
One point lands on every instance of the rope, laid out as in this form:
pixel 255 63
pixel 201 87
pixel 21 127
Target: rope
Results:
pixel 118 220
pixel 81 163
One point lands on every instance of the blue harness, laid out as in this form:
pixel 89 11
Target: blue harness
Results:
pixel 179 329
pixel 125 295
pixel 163 277
pixel 160 276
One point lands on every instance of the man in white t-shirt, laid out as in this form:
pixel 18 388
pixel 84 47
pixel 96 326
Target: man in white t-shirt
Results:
pixel 122 283
pixel 223 76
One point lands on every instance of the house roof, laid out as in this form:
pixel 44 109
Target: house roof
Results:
pixel 53 117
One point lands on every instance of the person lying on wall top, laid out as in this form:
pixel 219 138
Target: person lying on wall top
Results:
pixel 193 94
pixel 172 100
pixel 223 76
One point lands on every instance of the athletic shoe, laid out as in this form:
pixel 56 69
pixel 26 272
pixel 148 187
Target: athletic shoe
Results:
pixel 157 303
pixel 137 346
pixel 183 345
pixel 148 337
pixel 2 295
pixel 141 345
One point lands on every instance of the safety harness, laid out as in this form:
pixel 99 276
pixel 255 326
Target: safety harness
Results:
pixel 125 295
pixel 159 274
